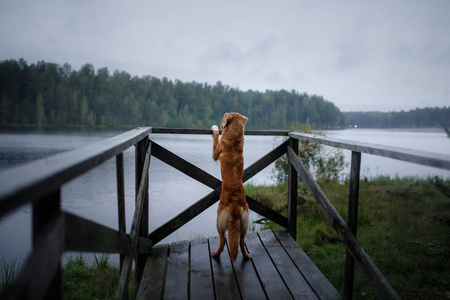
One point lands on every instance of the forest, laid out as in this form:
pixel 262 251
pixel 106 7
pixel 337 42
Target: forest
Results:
pixel 49 94
pixel 419 118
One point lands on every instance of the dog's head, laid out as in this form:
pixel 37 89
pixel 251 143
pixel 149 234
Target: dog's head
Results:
pixel 234 122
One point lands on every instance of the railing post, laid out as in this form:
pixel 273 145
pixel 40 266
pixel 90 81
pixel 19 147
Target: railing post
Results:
pixel 121 198
pixel 352 221
pixel 45 210
pixel 141 149
pixel 292 192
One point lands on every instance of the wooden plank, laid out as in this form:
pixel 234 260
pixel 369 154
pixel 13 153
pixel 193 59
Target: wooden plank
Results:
pixel 370 270
pixel 184 166
pixel 352 222
pixel 201 281
pixel 266 212
pixel 177 286
pixel 120 198
pixel 291 276
pixel 225 283
pixel 248 280
pixel 122 292
pixel 43 211
pixel 87 236
pixel 292 192
pixel 36 179
pixel 152 283
pixel 141 179
pixel 38 273
pixel 209 131
pixel 274 286
pixel 264 161
pixel 318 282
pixel 185 216
pixel 437 160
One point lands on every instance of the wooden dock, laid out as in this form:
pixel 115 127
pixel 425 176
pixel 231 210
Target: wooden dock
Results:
pixel 279 269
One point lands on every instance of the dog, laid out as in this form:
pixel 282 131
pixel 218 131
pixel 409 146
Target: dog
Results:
pixel 232 213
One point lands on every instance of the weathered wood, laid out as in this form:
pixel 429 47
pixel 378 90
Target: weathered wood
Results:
pixel 122 292
pixel 247 279
pixel 278 266
pixel 36 179
pixel 200 279
pixel 370 270
pixel 263 162
pixel 266 212
pixel 44 210
pixel 352 222
pixel 321 286
pixel 37 277
pixel 87 236
pixel 184 166
pixel 436 160
pixel 185 216
pixel 274 286
pixel 142 179
pixel 297 285
pixel 144 245
pixel 152 282
pixel 292 192
pixel 177 284
pixel 195 209
pixel 120 198
pixel 209 131
pixel 225 284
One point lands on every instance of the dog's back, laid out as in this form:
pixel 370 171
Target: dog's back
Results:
pixel 232 213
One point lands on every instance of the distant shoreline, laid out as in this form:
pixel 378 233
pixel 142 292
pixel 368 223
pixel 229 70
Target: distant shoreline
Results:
pixel 418 129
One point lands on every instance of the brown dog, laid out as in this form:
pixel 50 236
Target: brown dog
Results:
pixel 232 213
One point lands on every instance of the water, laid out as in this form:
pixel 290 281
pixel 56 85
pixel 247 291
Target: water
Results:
pixel 94 194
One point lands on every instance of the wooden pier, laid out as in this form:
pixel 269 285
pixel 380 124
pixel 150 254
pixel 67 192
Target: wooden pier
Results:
pixel 279 269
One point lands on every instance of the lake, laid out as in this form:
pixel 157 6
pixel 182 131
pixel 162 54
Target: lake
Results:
pixel 94 194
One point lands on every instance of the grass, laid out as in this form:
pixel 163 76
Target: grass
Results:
pixel 99 281
pixel 404 225
pixel 8 272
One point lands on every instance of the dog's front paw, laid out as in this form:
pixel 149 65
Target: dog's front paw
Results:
pixel 215 128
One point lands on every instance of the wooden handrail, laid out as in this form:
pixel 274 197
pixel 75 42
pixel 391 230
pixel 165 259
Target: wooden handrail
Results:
pixel 437 160
pixel 26 183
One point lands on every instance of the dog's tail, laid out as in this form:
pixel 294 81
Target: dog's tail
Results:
pixel 234 231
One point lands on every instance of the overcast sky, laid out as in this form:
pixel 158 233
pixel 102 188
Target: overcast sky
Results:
pixel 361 55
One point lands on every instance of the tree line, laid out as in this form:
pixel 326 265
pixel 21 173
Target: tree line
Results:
pixel 418 118
pixel 57 95
pixel 49 94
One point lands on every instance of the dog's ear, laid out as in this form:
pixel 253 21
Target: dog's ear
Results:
pixel 244 119
pixel 227 120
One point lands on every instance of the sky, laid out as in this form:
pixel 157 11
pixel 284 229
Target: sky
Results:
pixel 361 55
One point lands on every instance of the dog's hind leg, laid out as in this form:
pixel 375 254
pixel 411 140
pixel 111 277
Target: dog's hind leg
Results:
pixel 222 226
pixel 244 229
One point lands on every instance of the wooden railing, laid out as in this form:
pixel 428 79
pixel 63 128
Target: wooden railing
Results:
pixel 347 231
pixel 55 231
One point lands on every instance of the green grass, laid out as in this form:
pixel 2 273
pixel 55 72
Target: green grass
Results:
pixel 99 281
pixel 8 272
pixel 403 224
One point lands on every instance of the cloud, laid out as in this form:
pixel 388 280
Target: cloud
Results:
pixel 360 55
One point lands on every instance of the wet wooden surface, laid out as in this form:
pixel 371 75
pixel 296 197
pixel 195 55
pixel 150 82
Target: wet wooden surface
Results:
pixel 279 269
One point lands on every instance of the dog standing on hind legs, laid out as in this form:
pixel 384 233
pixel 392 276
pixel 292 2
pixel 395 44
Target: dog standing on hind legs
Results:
pixel 232 213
